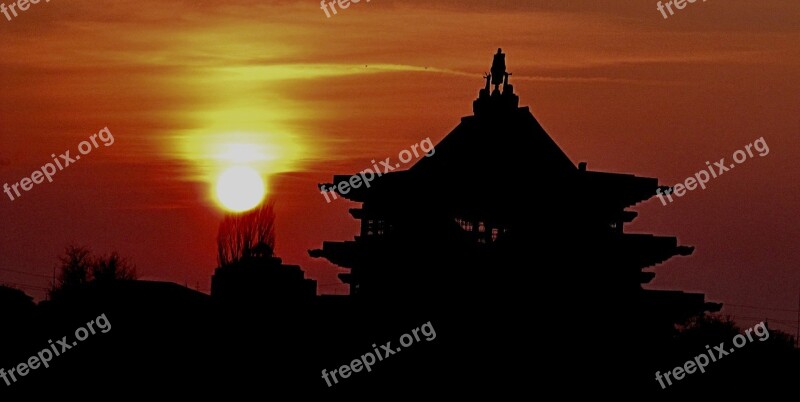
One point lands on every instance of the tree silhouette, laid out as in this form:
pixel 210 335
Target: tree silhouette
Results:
pixel 79 267
pixel 247 235
pixel 113 268
pixel 76 264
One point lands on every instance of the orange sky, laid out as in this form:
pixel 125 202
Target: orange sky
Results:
pixel 614 83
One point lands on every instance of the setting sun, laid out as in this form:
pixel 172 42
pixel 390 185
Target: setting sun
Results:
pixel 239 189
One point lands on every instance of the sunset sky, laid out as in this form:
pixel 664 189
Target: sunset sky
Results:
pixel 180 83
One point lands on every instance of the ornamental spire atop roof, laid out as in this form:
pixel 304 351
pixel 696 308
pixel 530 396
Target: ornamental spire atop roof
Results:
pixel 497 101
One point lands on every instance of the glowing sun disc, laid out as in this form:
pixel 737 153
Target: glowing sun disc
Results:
pixel 240 189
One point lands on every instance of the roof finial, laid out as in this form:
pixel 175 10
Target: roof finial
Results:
pixel 498 69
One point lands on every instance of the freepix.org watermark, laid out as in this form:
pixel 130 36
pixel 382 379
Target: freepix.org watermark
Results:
pixel 702 360
pixel 62 161
pixel 679 4
pixel 702 177
pixel 368 359
pixel 343 4
pixel 386 166
pixel 22 5
pixel 44 357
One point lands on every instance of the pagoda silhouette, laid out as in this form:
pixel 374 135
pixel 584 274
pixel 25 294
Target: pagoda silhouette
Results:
pixel 500 226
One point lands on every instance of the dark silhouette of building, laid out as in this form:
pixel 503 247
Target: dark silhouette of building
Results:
pixel 16 310
pixel 491 176
pixel 261 279
pixel 500 218
pixel 14 300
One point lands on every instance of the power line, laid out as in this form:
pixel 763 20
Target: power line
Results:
pixel 761 308
pixel 783 322
pixel 769 319
pixel 24 285
pixel 786 326
pixel 24 273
